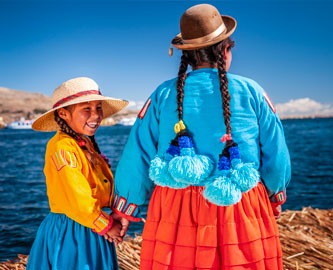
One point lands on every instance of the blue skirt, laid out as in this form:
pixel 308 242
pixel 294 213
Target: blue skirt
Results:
pixel 61 243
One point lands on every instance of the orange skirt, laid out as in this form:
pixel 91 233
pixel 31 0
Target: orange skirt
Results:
pixel 184 231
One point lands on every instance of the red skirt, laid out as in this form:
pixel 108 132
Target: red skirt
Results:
pixel 184 231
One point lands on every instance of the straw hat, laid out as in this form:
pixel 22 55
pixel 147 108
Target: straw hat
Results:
pixel 201 26
pixel 73 91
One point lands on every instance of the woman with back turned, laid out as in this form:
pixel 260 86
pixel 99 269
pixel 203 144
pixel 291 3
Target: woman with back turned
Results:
pixel 210 150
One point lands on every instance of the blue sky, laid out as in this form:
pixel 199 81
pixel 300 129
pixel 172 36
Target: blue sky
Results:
pixel 285 45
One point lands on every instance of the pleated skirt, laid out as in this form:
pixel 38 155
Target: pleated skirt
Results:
pixel 62 243
pixel 184 231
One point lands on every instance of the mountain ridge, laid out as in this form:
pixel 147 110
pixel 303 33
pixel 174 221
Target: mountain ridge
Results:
pixel 17 104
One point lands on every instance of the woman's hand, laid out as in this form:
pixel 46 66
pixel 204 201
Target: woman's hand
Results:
pixel 124 223
pixel 113 234
pixel 277 209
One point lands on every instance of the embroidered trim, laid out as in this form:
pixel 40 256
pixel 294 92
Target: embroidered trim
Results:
pixel 101 222
pixel 144 109
pixel 270 103
pixel 63 158
pixel 105 230
pixel 130 209
pixel 121 204
pixel 121 209
pixel 130 218
pixel 279 198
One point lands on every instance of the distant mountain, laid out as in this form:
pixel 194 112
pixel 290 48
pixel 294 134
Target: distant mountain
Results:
pixel 15 104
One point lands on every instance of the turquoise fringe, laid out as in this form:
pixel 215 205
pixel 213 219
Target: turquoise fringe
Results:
pixel 222 191
pixel 190 169
pixel 158 172
pixel 244 174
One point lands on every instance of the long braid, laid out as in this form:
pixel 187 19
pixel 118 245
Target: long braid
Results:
pixel 215 54
pixel 96 147
pixel 221 66
pixel 180 85
pixel 64 127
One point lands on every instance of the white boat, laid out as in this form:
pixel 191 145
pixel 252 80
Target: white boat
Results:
pixel 2 123
pixel 127 121
pixel 20 124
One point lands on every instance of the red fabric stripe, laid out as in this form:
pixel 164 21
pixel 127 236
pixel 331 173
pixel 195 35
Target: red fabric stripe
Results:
pixel 82 93
pixel 270 103
pixel 130 218
pixel 144 109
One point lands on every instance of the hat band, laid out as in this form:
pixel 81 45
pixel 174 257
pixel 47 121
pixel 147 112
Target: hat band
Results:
pixel 82 93
pixel 221 29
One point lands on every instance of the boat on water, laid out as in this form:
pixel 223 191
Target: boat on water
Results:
pixel 2 123
pixel 20 124
pixel 126 121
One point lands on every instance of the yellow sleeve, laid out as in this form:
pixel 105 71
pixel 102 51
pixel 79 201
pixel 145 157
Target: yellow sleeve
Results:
pixel 70 186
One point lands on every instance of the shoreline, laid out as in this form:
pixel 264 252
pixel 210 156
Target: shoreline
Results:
pixel 306 237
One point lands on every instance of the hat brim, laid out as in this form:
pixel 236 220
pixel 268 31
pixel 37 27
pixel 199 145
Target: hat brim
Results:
pixel 110 106
pixel 230 24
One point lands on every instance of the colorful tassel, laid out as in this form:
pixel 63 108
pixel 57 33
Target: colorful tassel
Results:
pixel 244 174
pixel 222 191
pixel 189 167
pixel 158 170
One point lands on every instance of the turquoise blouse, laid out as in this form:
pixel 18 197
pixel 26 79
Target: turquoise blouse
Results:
pixel 256 128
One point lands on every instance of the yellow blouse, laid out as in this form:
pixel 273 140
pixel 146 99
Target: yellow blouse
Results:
pixel 76 188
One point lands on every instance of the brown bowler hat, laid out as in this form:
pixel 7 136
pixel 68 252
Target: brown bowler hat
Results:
pixel 201 26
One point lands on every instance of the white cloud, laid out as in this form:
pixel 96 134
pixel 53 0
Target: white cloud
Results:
pixel 135 105
pixel 295 108
pixel 303 107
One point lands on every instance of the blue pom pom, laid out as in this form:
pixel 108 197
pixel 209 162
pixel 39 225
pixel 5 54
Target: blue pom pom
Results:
pixel 158 172
pixel 185 142
pixel 222 191
pixel 173 150
pixel 157 169
pixel 187 152
pixel 224 163
pixel 244 174
pixel 234 153
pixel 190 169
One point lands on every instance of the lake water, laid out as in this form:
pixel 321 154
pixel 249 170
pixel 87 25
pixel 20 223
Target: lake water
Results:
pixel 23 201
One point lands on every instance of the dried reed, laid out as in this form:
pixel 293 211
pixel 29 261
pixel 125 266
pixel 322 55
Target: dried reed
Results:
pixel 306 237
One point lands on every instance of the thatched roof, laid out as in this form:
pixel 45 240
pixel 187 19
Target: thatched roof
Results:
pixel 306 237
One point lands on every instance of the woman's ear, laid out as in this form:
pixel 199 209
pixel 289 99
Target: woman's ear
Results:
pixel 225 53
pixel 227 57
pixel 63 113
